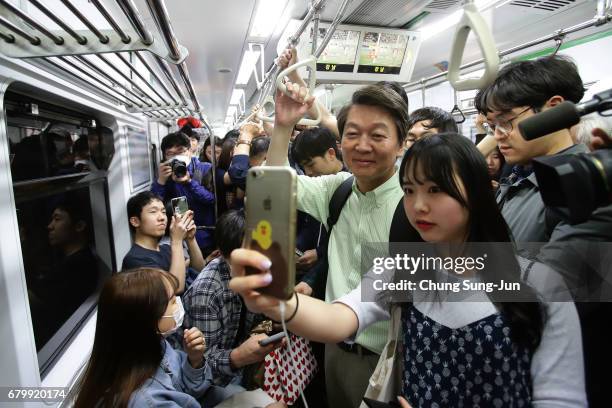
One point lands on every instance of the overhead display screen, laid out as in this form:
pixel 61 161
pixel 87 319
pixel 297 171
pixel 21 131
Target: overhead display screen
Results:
pixel 341 51
pixel 382 53
pixel 358 54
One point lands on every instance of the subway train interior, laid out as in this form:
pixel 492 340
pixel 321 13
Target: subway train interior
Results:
pixel 153 101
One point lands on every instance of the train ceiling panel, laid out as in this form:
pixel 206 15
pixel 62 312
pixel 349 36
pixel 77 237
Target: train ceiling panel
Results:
pixel 385 13
pixel 215 37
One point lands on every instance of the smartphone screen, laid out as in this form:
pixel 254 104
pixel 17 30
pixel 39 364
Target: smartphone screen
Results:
pixel 180 205
pixel 271 217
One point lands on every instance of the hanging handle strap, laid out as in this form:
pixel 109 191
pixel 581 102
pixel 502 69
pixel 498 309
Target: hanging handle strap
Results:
pixel 268 106
pixel 311 64
pixel 472 20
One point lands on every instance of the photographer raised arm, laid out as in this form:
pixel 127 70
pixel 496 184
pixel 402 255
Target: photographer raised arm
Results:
pixel 313 319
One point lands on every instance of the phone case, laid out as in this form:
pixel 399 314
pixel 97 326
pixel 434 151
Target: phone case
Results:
pixel 180 205
pixel 271 218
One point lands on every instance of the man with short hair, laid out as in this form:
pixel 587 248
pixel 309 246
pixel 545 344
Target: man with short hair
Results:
pixel 315 150
pixel 175 148
pixel 148 221
pixel 429 120
pixel 373 128
pixel 521 90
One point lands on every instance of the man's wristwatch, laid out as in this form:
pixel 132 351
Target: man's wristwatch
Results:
pixel 246 142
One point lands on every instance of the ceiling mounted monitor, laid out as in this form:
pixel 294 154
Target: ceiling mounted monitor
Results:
pixel 360 54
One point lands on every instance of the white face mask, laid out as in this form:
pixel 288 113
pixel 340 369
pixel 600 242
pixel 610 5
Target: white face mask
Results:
pixel 182 157
pixel 178 315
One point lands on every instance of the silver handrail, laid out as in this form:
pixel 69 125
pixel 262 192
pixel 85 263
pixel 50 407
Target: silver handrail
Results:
pixel 103 38
pixel 124 76
pixel 109 78
pixel 162 21
pixel 106 14
pixel 31 38
pixel 166 71
pixel 140 98
pixel 139 75
pixel 25 17
pixel 133 16
pixel 184 73
pixel 156 76
pixel 78 37
pixel 62 69
pixel 9 38
pixel 441 77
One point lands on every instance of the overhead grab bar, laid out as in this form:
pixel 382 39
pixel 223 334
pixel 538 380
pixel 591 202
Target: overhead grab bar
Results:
pixel 120 99
pixel 78 37
pixel 124 76
pixel 103 38
pixel 156 76
pixel 31 38
pixel 100 72
pixel 9 38
pixel 177 52
pixel 105 13
pixel 472 20
pixel 292 41
pixel 139 75
pixel 133 16
pixel 25 17
pixel 166 70
pixel 311 62
pixel 162 20
pixel 439 78
pixel 184 73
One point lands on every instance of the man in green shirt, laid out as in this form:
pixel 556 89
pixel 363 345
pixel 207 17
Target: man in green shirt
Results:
pixel 373 128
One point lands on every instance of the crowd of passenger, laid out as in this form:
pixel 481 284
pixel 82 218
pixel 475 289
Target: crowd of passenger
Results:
pixel 179 325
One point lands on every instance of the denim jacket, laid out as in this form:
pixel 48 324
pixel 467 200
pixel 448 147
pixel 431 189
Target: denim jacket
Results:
pixel 175 383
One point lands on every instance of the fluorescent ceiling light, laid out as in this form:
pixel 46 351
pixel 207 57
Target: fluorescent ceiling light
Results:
pixel 249 59
pixel 266 17
pixel 451 21
pixel 237 96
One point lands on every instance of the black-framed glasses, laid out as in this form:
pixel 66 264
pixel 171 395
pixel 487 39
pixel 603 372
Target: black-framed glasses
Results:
pixel 505 126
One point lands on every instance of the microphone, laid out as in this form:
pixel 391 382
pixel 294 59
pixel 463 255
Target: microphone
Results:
pixel 563 116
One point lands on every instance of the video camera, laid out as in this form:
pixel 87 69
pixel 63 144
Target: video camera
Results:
pixel 573 185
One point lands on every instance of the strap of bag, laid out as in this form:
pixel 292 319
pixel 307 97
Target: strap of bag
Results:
pixel 337 201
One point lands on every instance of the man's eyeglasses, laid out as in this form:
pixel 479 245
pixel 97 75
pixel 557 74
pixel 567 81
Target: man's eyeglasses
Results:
pixel 505 125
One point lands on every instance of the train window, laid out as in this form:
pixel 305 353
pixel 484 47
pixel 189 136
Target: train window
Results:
pixel 138 157
pixel 62 210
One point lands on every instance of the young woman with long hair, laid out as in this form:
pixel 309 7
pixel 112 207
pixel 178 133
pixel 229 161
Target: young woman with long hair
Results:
pixel 131 363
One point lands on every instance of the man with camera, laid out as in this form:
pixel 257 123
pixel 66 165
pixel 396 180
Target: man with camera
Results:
pixel 522 90
pixel 181 175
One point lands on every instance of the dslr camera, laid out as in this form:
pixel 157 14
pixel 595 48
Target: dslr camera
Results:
pixel 178 164
pixel 572 185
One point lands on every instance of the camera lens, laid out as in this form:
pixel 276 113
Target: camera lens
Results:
pixel 178 168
